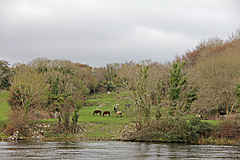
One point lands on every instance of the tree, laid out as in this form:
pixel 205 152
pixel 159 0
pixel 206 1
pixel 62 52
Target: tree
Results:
pixel 110 76
pixel 181 95
pixel 141 95
pixel 217 77
pixel 152 87
pixel 93 85
pixel 27 95
pixel 143 82
pixel 48 85
pixel 75 117
pixel 66 89
pixel 5 75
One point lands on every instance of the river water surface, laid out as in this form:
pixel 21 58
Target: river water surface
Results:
pixel 114 150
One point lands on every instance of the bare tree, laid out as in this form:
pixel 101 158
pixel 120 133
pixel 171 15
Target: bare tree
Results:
pixel 217 77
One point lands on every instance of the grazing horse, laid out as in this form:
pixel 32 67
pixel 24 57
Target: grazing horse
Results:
pixel 199 116
pixel 119 113
pixel 127 105
pixel 106 112
pixel 97 111
pixel 116 108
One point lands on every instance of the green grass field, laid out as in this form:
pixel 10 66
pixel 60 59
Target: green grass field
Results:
pixel 107 127
pixel 106 102
pixel 4 107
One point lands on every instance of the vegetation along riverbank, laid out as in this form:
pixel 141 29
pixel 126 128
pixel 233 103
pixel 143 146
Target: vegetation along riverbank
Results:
pixel 193 99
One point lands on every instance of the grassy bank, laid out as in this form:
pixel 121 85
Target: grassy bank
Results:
pixel 98 127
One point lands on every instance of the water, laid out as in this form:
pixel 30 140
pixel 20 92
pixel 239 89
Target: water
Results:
pixel 114 150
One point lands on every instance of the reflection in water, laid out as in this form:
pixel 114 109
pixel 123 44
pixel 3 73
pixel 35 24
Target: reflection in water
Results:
pixel 114 150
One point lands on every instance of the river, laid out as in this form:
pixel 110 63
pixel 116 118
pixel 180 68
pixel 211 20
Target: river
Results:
pixel 114 150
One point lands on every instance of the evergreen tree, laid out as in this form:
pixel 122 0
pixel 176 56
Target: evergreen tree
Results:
pixel 181 94
pixel 5 75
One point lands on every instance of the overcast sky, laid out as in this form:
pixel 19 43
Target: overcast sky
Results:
pixel 98 32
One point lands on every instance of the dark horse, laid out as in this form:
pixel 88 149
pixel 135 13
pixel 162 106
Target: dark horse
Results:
pixel 97 111
pixel 106 112
pixel 127 105
pixel 116 108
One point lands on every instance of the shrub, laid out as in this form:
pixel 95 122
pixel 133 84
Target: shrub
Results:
pixel 229 130
pixel 170 129
pixel 16 123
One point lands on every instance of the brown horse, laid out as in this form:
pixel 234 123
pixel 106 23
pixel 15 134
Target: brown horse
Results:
pixel 119 113
pixel 106 112
pixel 97 111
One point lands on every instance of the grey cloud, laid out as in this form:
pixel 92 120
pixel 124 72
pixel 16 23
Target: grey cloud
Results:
pixel 100 32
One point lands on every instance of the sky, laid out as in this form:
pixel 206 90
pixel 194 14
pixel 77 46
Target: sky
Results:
pixel 100 32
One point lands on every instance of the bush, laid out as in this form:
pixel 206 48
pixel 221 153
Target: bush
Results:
pixel 170 129
pixel 229 130
pixel 2 125
pixel 16 123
